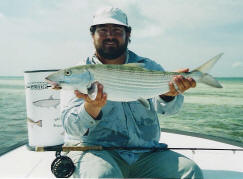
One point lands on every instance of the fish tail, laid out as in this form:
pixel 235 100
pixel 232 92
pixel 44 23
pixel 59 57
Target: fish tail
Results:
pixel 206 78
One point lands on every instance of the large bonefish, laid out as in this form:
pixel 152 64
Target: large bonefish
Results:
pixel 127 82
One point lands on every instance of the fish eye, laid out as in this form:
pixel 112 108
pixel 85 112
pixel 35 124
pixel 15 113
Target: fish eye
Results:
pixel 68 72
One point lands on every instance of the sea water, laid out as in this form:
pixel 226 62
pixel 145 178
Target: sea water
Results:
pixel 13 126
pixel 206 110
pixel 211 111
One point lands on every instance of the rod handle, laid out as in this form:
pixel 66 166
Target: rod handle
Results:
pixel 68 148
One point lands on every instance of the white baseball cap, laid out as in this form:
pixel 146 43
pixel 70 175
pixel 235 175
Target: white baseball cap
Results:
pixel 110 15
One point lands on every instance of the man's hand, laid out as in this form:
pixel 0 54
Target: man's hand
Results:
pixel 182 83
pixel 93 107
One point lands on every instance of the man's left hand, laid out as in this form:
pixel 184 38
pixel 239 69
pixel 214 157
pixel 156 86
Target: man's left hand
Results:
pixel 182 83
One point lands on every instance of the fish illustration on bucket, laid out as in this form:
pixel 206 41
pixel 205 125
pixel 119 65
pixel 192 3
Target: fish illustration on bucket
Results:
pixel 47 103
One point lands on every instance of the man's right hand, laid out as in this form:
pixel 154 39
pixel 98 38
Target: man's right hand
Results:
pixel 93 107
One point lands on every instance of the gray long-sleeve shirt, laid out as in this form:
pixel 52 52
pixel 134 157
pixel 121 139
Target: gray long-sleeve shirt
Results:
pixel 122 124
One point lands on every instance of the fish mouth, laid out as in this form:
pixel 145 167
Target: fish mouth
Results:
pixel 51 82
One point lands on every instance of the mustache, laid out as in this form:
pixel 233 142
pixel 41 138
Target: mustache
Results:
pixel 111 40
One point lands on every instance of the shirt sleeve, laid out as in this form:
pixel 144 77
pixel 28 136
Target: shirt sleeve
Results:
pixel 75 120
pixel 170 107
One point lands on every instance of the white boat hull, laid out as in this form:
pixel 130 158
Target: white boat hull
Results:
pixel 23 163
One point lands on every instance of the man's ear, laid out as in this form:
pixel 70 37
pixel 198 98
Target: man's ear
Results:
pixel 92 36
pixel 128 34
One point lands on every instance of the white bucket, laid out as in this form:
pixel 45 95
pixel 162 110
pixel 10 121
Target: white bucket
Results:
pixel 43 110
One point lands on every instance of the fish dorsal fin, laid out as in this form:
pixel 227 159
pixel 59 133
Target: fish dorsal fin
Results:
pixel 204 68
pixel 140 65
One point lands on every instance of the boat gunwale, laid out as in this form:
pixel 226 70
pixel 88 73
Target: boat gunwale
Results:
pixel 38 71
pixel 203 136
pixel 173 131
pixel 13 147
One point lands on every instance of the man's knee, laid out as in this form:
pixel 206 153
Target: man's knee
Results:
pixel 190 169
pixel 99 171
pixel 98 165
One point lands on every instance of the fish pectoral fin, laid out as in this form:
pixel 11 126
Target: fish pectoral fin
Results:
pixel 144 102
pixel 92 91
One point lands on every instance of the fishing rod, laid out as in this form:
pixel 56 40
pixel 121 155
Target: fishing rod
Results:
pixel 63 166
pixel 86 148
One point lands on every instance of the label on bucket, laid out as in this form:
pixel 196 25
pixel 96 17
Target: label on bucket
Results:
pixel 43 111
pixel 37 85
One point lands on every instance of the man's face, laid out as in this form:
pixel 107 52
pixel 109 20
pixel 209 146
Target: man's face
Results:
pixel 110 40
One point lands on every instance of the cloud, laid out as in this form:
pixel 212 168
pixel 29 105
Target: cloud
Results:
pixel 148 31
pixel 171 31
pixel 237 64
pixel 192 13
pixel 1 16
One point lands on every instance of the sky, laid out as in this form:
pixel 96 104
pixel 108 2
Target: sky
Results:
pixel 54 34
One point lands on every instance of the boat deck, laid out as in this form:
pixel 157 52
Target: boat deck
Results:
pixel 23 163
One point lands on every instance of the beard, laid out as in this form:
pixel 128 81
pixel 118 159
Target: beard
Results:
pixel 111 52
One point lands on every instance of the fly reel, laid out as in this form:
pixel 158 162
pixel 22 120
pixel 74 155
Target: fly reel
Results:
pixel 62 166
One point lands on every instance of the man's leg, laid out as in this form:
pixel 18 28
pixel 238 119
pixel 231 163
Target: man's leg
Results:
pixel 95 164
pixel 165 164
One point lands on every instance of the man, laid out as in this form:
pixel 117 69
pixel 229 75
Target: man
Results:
pixel 123 124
